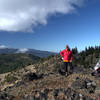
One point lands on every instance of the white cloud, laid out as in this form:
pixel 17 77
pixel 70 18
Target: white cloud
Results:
pixel 25 15
pixel 3 46
pixel 23 50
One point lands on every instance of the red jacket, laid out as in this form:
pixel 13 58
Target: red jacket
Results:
pixel 67 55
pixel 98 69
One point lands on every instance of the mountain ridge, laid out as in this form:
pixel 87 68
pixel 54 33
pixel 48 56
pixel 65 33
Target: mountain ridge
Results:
pixel 35 52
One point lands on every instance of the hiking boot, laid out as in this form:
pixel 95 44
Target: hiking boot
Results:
pixel 71 71
pixel 68 73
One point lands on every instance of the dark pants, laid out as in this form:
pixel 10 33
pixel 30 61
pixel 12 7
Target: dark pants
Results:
pixel 68 67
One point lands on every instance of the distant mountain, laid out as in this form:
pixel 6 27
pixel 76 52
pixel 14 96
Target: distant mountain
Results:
pixel 8 50
pixel 25 50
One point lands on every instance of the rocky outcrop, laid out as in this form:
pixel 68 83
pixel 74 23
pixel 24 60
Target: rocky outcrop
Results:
pixel 56 94
pixel 32 76
pixel 5 96
pixel 86 84
pixel 43 81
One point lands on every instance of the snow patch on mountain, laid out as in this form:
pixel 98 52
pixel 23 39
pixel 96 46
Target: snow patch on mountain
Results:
pixel 22 50
pixel 3 46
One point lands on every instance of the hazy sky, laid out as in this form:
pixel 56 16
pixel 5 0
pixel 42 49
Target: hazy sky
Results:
pixel 49 25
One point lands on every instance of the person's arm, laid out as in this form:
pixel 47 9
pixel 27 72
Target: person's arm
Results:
pixel 71 57
pixel 62 53
pixel 98 68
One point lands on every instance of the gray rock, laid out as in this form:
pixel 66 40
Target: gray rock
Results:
pixel 19 83
pixel 56 94
pixel 97 90
pixel 5 96
pixel 32 76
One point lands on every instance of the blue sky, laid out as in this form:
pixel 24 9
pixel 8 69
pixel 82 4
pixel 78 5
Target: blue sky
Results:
pixel 80 28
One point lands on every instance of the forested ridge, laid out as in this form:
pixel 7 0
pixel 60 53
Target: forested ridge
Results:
pixel 10 62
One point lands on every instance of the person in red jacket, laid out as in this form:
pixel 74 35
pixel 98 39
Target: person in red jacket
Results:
pixel 67 59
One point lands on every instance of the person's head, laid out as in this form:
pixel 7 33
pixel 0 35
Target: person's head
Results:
pixel 67 47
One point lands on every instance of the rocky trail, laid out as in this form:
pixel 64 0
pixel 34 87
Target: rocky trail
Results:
pixel 78 86
pixel 42 82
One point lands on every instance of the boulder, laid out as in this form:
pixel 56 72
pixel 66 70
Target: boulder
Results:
pixel 5 96
pixel 97 90
pixel 32 76
pixel 87 84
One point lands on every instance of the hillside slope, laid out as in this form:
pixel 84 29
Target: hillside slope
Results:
pixel 10 62
pixel 43 82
